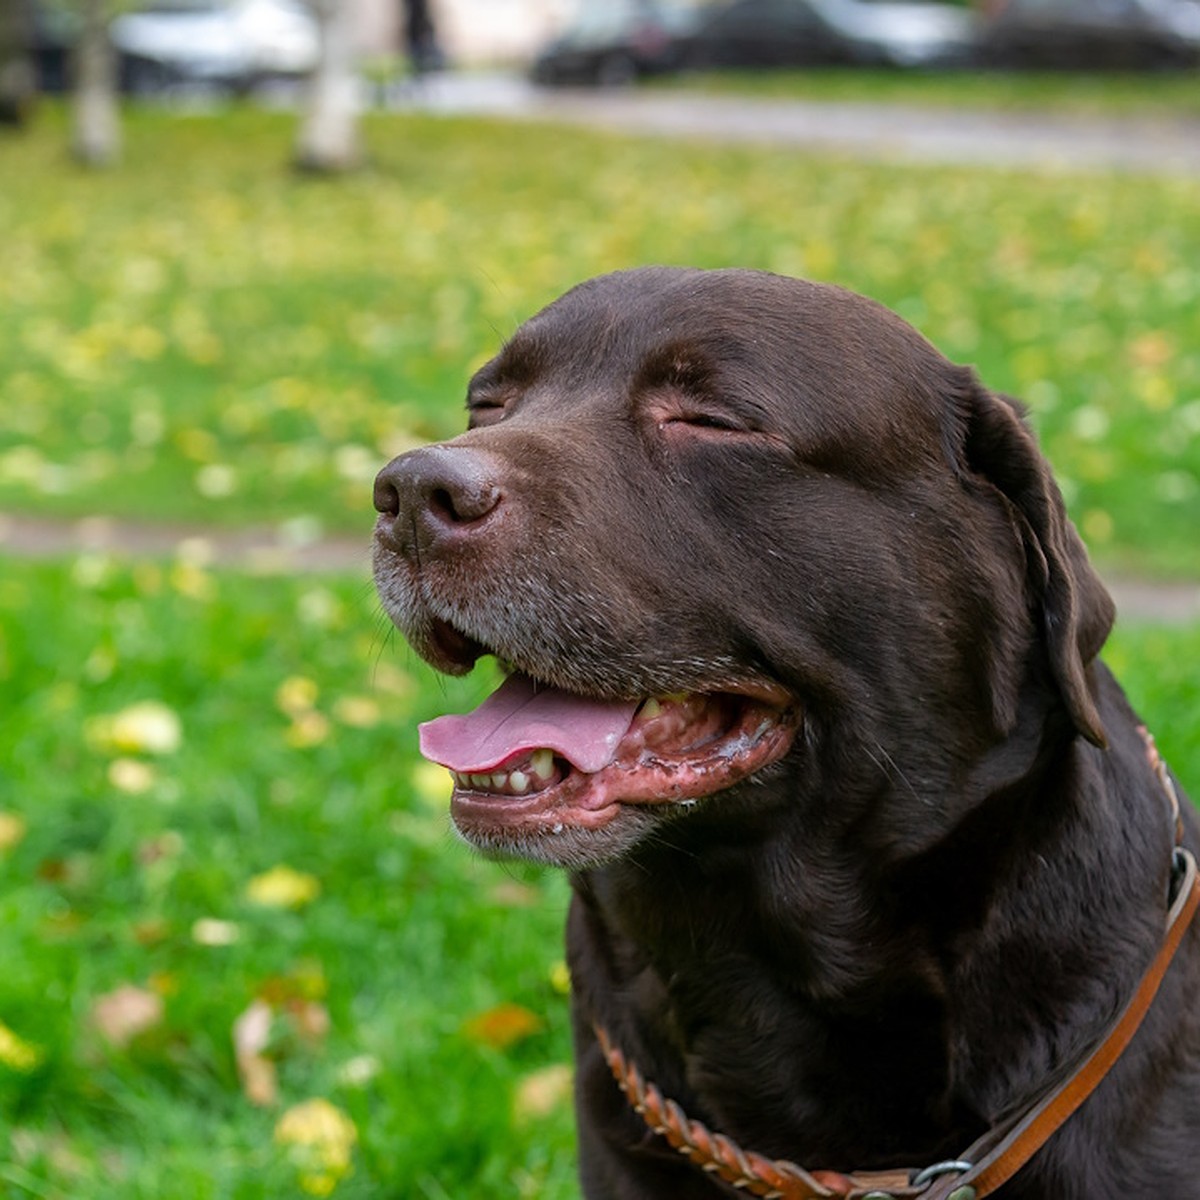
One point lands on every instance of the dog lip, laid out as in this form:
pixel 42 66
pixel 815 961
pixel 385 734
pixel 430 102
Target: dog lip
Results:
pixel 641 776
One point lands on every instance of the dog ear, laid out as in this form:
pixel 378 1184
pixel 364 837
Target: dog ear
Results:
pixel 996 445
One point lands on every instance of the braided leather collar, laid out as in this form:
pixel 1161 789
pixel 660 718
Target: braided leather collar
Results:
pixel 989 1162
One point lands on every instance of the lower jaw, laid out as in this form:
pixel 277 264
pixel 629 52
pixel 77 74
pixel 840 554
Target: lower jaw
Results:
pixel 609 834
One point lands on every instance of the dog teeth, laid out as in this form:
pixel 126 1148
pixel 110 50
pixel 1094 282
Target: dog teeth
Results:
pixel 651 709
pixel 517 783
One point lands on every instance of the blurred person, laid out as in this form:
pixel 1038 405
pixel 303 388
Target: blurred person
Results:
pixel 420 38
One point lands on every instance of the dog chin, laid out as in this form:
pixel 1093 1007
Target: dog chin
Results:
pixel 558 844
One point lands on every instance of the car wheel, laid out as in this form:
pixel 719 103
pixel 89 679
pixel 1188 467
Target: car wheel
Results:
pixel 616 70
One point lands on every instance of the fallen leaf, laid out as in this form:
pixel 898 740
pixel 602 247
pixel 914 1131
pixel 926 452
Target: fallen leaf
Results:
pixel 542 1092
pixel 502 1026
pixel 359 1071
pixel 123 1014
pixel 209 931
pixel 309 1019
pixel 1153 349
pixel 164 846
pixel 513 894
pixel 12 830
pixel 283 887
pixel 251 1036
pixel 319 1138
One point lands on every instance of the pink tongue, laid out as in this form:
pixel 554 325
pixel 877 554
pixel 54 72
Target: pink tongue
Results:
pixel 518 717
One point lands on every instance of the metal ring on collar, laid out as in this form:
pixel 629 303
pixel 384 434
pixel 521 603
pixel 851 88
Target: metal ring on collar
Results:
pixel 929 1174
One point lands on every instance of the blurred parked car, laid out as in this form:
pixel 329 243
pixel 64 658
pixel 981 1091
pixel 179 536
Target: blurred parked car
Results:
pixel 615 43
pixel 778 33
pixel 1094 33
pixel 230 45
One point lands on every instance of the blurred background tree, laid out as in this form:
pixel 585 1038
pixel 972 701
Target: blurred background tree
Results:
pixel 328 140
pixel 18 82
pixel 95 116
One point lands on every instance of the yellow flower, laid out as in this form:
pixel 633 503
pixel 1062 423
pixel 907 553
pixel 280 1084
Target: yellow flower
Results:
pixel 296 695
pixel 283 887
pixel 149 727
pixel 131 775
pixel 319 1138
pixel 432 785
pixel 16 1053
pixel 560 978
pixel 361 712
pixel 308 729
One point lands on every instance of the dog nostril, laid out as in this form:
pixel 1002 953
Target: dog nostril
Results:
pixel 387 497
pixel 464 504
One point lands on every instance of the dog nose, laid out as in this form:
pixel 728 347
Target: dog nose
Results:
pixel 428 498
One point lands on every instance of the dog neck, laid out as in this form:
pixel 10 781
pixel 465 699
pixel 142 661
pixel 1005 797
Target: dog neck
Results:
pixel 877 1017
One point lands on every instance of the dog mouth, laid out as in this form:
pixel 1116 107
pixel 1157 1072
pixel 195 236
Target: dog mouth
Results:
pixel 535 759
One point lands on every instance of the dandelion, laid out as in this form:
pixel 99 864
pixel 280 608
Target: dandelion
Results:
pixel 131 775
pixel 16 1053
pixel 360 712
pixel 320 1139
pixel 283 887
pixel 296 695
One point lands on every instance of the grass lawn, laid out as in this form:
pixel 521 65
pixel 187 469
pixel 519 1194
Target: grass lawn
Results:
pixel 200 334
pixel 1107 93
pixel 286 846
pixel 131 858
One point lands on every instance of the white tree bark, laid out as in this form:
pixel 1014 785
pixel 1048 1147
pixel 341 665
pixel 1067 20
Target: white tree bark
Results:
pixel 95 122
pixel 328 140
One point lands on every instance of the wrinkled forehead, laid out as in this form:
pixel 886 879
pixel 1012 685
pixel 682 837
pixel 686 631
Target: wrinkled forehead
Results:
pixel 824 366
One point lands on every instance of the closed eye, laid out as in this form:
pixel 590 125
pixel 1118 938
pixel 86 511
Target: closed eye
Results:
pixel 486 411
pixel 708 421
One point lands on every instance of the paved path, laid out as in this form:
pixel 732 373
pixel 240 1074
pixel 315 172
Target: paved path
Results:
pixel 1155 145
pixel 288 549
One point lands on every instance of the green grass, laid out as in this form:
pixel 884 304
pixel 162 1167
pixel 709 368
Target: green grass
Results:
pixel 409 938
pixel 202 335
pixel 1109 94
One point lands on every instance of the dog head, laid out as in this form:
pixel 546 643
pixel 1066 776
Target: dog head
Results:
pixel 723 529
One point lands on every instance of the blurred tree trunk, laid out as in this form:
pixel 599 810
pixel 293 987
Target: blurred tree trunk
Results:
pixel 95 123
pixel 17 81
pixel 328 139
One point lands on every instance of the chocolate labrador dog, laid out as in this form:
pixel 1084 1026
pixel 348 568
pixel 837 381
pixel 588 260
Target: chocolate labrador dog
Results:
pixel 867 848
